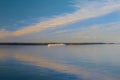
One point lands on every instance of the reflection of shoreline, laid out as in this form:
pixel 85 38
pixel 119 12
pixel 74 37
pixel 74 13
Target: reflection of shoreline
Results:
pixel 61 67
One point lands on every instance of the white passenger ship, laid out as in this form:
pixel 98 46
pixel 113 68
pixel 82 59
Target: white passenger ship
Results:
pixel 52 45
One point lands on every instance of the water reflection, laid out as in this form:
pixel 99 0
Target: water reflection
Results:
pixel 3 56
pixel 35 59
pixel 25 67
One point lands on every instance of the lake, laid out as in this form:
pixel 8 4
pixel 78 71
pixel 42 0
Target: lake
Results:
pixel 75 62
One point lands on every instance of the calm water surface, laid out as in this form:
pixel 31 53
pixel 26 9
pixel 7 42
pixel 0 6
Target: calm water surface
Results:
pixel 82 62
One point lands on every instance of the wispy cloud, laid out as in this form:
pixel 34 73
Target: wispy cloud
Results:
pixel 91 11
pixel 61 31
pixel 4 33
pixel 103 32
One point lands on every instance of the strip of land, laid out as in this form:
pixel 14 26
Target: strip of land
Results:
pixel 54 43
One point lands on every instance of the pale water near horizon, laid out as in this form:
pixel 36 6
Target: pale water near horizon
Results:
pixel 77 62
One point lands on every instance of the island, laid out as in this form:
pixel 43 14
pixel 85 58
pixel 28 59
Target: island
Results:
pixel 47 43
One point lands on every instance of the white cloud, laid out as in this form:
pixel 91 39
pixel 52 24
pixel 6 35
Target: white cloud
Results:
pixel 4 33
pixel 85 12
pixel 61 31
pixel 96 33
pixel 100 33
pixel 91 11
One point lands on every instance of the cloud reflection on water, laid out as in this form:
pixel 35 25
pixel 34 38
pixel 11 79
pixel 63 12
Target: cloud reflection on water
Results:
pixel 80 72
pixel 3 56
pixel 64 68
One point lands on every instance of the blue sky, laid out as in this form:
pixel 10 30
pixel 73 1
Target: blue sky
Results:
pixel 59 20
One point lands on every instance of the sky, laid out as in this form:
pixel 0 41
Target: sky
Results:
pixel 59 20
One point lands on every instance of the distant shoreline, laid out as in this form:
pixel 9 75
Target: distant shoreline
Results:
pixel 54 43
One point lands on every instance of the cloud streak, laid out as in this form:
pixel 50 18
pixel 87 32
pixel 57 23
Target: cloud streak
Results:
pixel 91 11
pixel 100 33
pixel 79 15
pixel 4 33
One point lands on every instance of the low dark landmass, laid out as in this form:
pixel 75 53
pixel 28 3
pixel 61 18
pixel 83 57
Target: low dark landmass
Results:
pixel 53 43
